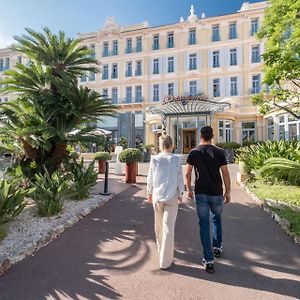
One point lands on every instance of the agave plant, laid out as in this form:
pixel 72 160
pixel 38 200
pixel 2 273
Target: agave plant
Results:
pixel 49 103
pixel 83 178
pixel 48 192
pixel 282 169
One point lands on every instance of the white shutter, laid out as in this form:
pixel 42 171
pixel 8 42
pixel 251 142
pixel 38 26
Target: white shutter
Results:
pixel 199 86
pixel 222 87
pixel 186 87
pixel 210 88
pixel 186 61
pixel 151 66
pixel 240 85
pixel 161 65
pixel 226 57
pixel 210 59
pixel 239 55
pixel 198 60
pixel 175 88
pixel 151 93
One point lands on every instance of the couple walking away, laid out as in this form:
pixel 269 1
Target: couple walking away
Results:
pixel 165 188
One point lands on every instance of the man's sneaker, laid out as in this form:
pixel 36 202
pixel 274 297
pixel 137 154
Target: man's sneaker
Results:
pixel 208 265
pixel 218 251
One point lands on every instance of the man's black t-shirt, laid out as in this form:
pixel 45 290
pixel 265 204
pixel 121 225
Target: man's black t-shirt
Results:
pixel 207 160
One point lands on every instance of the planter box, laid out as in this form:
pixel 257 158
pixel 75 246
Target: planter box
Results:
pixel 131 171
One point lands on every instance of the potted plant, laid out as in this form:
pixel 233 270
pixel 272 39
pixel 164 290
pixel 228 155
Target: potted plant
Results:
pixel 230 148
pixel 147 150
pixel 123 142
pixel 102 157
pixel 131 157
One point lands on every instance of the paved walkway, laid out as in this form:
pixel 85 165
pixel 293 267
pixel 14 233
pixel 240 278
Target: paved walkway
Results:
pixel 111 254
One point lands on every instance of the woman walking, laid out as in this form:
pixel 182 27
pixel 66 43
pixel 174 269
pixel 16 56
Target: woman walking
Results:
pixel 165 188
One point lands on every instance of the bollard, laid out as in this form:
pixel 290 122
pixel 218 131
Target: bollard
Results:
pixel 106 193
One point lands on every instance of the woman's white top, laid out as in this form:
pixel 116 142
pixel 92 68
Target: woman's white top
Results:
pixel 165 180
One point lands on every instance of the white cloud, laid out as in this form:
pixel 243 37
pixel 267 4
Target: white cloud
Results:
pixel 5 40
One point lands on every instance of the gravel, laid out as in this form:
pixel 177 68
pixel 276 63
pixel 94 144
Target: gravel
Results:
pixel 28 232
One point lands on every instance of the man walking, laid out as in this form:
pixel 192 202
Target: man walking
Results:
pixel 207 161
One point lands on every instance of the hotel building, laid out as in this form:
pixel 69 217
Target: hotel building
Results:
pixel 182 76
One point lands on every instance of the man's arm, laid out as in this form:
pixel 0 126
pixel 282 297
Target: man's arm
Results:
pixel 150 182
pixel 188 176
pixel 227 183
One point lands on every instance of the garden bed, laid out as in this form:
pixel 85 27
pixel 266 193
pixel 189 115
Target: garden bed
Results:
pixel 28 232
pixel 284 209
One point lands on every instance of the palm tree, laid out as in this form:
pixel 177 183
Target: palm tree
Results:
pixel 49 103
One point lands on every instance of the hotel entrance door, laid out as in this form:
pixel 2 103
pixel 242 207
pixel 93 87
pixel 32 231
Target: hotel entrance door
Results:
pixel 189 139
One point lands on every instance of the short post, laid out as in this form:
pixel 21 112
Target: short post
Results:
pixel 106 193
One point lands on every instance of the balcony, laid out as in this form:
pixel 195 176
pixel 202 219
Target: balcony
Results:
pixel 128 73
pixel 170 45
pixel 155 47
pixel 254 90
pixel 114 75
pixel 131 100
pixel 192 41
pixel 215 38
pixel 138 49
pixel 128 50
pixel 104 76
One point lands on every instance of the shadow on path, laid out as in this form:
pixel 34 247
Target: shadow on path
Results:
pixel 109 247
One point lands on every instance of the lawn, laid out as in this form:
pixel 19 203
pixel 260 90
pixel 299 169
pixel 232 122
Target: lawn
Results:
pixel 292 216
pixel 285 193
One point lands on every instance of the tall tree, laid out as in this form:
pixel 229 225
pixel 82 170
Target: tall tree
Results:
pixel 49 103
pixel 281 32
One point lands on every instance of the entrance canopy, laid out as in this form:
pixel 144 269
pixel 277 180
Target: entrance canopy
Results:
pixel 188 105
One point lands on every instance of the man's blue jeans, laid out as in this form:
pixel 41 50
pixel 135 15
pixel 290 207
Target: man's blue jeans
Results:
pixel 207 205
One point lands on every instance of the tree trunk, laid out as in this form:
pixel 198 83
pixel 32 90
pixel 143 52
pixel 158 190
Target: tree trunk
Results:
pixel 30 151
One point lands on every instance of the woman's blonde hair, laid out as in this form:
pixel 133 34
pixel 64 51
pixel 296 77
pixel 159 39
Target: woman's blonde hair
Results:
pixel 165 142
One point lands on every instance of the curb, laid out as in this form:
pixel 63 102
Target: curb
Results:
pixel 266 204
pixel 6 262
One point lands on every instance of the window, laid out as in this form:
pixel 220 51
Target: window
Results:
pixel 215 33
pixel 1 64
pixel 114 73
pixel 216 59
pixel 105 93
pixel 170 40
pixel 93 50
pixel 114 95
pixel 139 44
pixel 128 94
pixel 19 59
pixel 193 61
pixel 105 72
pixel 115 48
pixel 192 36
pixel 255 54
pixel 232 30
pixel 138 93
pixel 233 57
pixel 105 49
pixel 270 129
pixel 255 84
pixel 225 131
pixel 233 86
pixel 6 63
pixel 129 45
pixel 138 70
pixel 156 42
pixel 170 89
pixel 156 66
pixel 193 88
pixel 155 92
pixel 92 76
pixel 216 87
pixel 289 127
pixel 170 64
pixel 83 78
pixel 128 72
pixel 248 131
pixel 254 26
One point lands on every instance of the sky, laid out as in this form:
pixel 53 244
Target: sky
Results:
pixel 74 16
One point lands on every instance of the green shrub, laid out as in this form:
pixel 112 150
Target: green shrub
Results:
pixel 257 155
pixel 11 201
pixel 123 142
pixel 48 193
pixel 102 156
pixel 149 147
pixel 131 155
pixel 83 179
pixel 229 145
pixel 74 155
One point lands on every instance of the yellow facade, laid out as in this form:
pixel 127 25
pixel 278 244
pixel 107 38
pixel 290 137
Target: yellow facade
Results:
pixel 212 71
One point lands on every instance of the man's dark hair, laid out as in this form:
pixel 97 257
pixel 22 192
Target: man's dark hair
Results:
pixel 207 133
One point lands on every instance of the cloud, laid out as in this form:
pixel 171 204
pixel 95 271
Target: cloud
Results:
pixel 5 40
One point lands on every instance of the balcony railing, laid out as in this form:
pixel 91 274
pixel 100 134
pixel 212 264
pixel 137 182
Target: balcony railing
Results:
pixel 138 73
pixel 155 47
pixel 131 100
pixel 128 73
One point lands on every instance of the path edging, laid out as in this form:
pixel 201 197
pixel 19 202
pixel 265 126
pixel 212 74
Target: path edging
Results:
pixel 7 262
pixel 266 204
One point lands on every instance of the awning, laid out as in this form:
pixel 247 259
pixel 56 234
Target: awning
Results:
pixel 188 105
